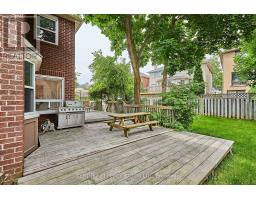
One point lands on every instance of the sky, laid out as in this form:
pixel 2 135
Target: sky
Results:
pixel 88 40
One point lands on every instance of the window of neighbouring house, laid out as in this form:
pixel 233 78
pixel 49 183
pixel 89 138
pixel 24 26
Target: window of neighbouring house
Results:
pixel 47 28
pixel 49 93
pixel 29 84
pixel 235 79
pixel 182 82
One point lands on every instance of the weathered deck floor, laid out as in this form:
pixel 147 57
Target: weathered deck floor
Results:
pixel 93 155
pixel 69 144
pixel 96 116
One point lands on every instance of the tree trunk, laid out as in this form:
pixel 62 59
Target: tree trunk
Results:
pixel 164 81
pixel 133 57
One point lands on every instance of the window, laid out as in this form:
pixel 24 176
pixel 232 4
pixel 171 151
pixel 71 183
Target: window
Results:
pixel 29 87
pixel 49 93
pixel 46 28
pixel 235 79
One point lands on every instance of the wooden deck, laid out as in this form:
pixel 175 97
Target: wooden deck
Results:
pixel 93 155
pixel 96 116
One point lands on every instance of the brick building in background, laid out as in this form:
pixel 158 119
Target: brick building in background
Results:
pixel 32 86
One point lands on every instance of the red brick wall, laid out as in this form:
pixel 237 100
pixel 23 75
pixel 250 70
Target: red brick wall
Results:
pixel 11 102
pixel 145 82
pixel 59 60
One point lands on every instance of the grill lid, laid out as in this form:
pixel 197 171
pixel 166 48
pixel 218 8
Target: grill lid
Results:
pixel 74 104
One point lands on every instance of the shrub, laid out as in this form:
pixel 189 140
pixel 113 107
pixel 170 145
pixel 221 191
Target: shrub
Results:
pixel 182 100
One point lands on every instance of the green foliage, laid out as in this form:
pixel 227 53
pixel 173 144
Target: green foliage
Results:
pixel 182 40
pixel 112 26
pixel 217 74
pixel 163 120
pixel 112 80
pixel 179 42
pixel 213 32
pixel 253 89
pixel 198 81
pixel 246 61
pixel 174 46
pixel 182 100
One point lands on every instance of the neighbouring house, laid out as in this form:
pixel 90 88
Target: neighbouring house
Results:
pixel 231 82
pixel 156 78
pixel 82 93
pixel 181 77
pixel 207 76
pixel 144 81
pixel 37 71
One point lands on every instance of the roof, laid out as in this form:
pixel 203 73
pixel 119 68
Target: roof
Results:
pixel 208 64
pixel 230 50
pixel 227 51
pixel 156 70
pixel 144 75
pixel 74 18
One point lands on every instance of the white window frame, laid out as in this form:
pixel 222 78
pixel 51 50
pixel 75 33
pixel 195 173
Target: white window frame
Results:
pixel 36 26
pixel 49 101
pixel 31 87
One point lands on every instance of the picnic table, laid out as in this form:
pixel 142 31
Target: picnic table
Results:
pixel 139 119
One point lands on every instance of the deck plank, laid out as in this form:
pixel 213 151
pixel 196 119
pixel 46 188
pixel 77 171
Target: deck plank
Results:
pixel 122 151
pixel 93 155
pixel 186 169
pixel 48 156
pixel 199 175
pixel 142 170
pixel 87 168
pixel 154 173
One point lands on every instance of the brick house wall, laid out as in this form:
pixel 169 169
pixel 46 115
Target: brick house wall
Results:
pixel 59 60
pixel 145 82
pixel 11 99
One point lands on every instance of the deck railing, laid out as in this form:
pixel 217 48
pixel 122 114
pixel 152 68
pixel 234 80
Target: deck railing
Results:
pixel 164 114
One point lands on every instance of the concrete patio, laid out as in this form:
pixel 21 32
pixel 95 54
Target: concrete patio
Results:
pixel 94 155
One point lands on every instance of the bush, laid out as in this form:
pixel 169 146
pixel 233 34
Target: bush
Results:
pixel 182 100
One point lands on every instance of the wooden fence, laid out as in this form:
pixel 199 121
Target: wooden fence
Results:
pixel 228 106
pixel 164 113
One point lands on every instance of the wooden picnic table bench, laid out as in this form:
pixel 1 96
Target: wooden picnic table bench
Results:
pixel 137 118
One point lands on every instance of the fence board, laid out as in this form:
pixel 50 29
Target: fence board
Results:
pixel 239 107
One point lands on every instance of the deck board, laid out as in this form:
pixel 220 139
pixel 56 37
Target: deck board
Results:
pixel 98 156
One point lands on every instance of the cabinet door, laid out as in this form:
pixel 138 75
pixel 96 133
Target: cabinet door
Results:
pixel 30 136
pixel 72 119
pixel 62 120
pixel 81 118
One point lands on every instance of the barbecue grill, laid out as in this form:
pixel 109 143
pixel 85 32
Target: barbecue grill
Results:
pixel 72 115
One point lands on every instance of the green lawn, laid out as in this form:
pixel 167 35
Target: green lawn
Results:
pixel 240 168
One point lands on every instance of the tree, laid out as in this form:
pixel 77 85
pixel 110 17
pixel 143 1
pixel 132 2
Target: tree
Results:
pixel 175 35
pixel 217 74
pixel 183 40
pixel 112 80
pixel 246 62
pixel 133 33
pixel 198 81
pixel 174 47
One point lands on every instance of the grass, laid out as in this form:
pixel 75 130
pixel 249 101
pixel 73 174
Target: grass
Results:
pixel 240 168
